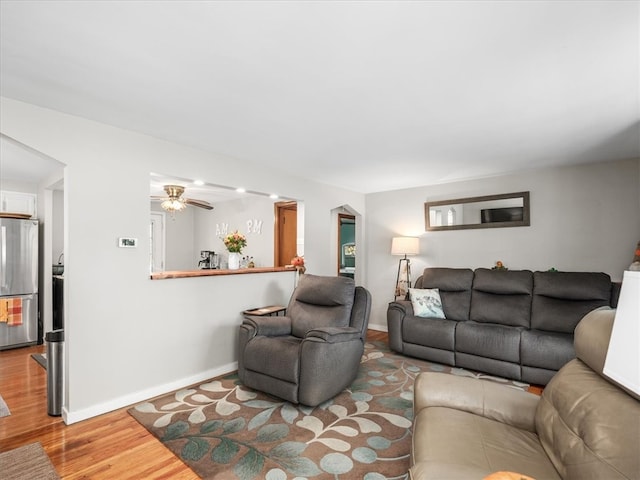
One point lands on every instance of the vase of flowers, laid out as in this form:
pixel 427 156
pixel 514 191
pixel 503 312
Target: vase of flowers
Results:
pixel 234 242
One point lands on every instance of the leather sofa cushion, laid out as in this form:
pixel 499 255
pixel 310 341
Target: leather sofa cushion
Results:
pixel 561 299
pixel 454 444
pixel 589 428
pixel 502 297
pixel 454 285
pixel 317 303
pixel 591 338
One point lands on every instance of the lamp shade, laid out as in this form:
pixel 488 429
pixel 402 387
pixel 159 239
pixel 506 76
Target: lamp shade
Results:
pixel 623 355
pixel 405 246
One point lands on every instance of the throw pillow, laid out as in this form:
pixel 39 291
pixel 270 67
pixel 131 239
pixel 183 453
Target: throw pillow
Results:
pixel 426 302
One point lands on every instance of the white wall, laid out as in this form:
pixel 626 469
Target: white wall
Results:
pixel 583 218
pixel 58 224
pixel 236 214
pixel 128 337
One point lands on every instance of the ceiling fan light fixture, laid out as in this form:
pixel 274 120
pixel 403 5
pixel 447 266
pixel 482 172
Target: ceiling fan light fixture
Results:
pixel 173 205
pixel 175 202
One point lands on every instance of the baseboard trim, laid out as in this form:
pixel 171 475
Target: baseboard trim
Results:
pixel 378 328
pixel 70 417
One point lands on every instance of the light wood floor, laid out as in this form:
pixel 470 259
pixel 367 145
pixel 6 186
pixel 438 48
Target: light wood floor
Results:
pixel 111 446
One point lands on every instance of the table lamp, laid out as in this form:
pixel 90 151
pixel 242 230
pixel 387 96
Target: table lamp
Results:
pixel 404 246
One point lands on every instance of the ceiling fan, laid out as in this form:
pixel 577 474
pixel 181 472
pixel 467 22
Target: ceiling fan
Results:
pixel 175 202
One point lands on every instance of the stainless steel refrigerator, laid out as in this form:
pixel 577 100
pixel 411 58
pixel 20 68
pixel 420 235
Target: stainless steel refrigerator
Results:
pixel 18 282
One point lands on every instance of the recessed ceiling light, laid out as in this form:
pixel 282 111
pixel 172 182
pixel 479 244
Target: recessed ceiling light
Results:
pixel 240 190
pixel 198 182
pixel 273 196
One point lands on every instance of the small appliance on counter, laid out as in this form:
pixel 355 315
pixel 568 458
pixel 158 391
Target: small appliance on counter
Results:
pixel 58 268
pixel 209 260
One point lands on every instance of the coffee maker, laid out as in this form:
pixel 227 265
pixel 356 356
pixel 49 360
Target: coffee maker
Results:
pixel 208 259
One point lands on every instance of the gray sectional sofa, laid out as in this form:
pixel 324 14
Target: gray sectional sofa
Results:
pixel 515 324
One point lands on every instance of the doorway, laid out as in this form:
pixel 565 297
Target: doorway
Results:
pixel 286 233
pixel 156 242
pixel 346 245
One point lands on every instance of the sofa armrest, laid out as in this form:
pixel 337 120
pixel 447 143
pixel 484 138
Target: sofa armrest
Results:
pixel 403 306
pixel 481 397
pixel 396 313
pixel 267 325
pixel 334 334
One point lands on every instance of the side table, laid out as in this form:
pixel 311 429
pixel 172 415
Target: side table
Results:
pixel 262 311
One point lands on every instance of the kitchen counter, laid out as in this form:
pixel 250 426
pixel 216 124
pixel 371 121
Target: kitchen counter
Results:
pixel 217 272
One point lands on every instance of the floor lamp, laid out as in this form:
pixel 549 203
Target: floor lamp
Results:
pixel 404 246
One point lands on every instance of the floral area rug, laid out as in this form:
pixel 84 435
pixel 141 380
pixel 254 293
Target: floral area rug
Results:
pixel 223 430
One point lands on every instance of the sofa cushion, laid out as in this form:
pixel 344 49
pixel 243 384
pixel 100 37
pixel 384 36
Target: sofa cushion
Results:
pixel 546 349
pixel 320 302
pixel 454 444
pixel 502 297
pixel 277 357
pixel 489 340
pixel 426 302
pixel 589 427
pixel 454 286
pixel 591 337
pixel 536 375
pixel 430 332
pixel 561 299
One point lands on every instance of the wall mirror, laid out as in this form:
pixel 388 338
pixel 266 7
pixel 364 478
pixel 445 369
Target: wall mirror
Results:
pixel 490 211
pixel 191 238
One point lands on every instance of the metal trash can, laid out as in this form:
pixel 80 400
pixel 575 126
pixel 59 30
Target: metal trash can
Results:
pixel 54 341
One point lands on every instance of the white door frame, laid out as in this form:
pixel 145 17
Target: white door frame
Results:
pixel 157 242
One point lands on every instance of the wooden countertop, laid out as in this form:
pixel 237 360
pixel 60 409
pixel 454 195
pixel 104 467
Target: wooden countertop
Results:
pixel 216 272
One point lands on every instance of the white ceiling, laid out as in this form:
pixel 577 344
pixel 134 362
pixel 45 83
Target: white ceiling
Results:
pixel 366 95
pixel 197 190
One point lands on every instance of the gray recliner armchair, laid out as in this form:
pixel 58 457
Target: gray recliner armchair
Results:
pixel 314 351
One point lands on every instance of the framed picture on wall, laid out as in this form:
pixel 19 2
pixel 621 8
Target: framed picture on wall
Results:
pixel 349 250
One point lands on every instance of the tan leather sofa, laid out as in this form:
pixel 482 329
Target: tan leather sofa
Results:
pixel 583 427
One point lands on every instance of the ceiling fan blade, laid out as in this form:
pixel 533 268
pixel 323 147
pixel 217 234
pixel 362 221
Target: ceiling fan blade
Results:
pixel 157 198
pixel 198 203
